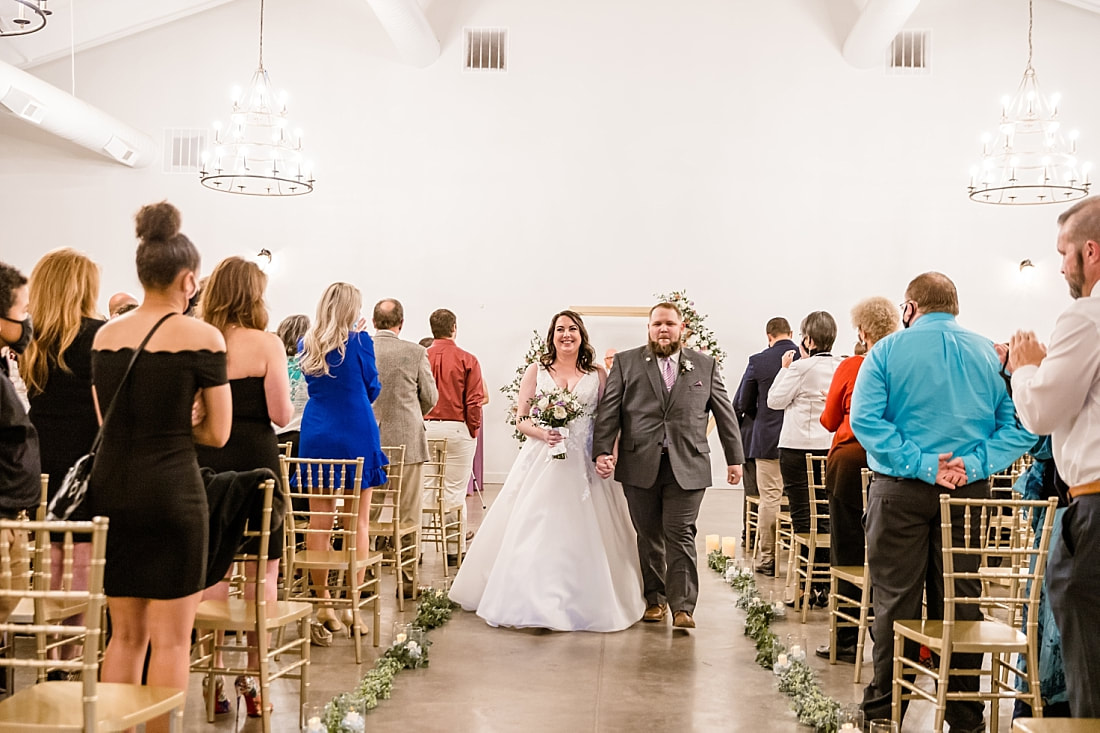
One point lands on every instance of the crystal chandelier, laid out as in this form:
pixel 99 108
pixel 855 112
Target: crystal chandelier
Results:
pixel 257 154
pixel 20 17
pixel 1029 160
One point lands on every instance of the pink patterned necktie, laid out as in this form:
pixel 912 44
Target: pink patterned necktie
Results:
pixel 670 378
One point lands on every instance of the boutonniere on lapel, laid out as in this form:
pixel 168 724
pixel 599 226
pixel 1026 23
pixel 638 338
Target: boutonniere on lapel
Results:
pixel 686 366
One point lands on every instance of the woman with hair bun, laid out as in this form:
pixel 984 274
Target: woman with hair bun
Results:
pixel 146 477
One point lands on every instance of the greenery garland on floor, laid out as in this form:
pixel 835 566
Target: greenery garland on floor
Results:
pixel 344 713
pixel 798 681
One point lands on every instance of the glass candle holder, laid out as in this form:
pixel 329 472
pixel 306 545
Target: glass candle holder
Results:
pixel 882 725
pixel 400 632
pixel 313 716
pixel 796 647
pixel 849 717
pixel 775 600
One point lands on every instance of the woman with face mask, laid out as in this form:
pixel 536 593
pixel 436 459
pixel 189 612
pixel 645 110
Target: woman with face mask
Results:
pixel 799 390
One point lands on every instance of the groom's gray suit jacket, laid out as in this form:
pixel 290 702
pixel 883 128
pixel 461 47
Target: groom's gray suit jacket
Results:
pixel 637 408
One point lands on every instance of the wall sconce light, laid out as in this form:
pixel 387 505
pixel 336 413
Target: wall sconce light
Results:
pixel 1024 264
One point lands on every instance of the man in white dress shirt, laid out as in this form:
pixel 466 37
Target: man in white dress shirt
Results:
pixel 1057 392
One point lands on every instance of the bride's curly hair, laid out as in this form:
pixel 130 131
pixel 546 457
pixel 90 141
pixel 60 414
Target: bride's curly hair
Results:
pixel 585 354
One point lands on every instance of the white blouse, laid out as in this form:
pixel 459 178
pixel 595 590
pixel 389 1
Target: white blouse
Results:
pixel 799 390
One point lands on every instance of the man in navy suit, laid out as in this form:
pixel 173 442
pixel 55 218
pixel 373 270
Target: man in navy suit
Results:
pixel 763 445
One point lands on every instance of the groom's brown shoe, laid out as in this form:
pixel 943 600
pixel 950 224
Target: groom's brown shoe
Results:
pixel 655 613
pixel 683 620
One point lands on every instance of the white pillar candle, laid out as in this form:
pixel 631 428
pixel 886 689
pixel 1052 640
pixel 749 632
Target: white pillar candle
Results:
pixel 712 543
pixel 729 546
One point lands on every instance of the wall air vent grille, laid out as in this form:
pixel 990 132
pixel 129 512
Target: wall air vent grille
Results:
pixel 183 148
pixel 910 54
pixel 486 49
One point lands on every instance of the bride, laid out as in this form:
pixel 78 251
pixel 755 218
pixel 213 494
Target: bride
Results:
pixel 557 549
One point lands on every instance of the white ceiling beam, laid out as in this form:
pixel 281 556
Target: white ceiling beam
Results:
pixel 96 22
pixel 874 30
pixel 409 29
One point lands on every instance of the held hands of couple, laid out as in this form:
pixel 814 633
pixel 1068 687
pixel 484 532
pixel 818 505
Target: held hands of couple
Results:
pixel 952 472
pixel 1024 349
pixel 605 465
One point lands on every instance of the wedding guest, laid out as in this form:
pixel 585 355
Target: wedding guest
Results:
pixel 609 358
pixel 233 303
pixel 120 303
pixel 799 390
pixel 19 459
pixel 57 370
pixel 426 342
pixel 291 330
pixel 457 414
pixel 408 394
pixel 919 450
pixel 339 367
pixel 1056 389
pixel 157 545
pixel 874 319
pixel 752 399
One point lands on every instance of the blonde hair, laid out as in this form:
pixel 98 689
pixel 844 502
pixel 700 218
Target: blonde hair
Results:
pixel 337 311
pixel 64 287
pixel 234 295
pixel 877 316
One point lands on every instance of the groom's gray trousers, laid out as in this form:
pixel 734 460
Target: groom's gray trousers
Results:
pixel 664 517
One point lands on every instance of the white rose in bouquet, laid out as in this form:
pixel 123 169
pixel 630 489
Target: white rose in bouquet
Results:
pixel 559 412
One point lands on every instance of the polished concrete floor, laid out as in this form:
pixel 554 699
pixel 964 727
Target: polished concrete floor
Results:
pixel 647 678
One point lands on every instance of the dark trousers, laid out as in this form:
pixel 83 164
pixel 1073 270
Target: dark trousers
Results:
pixel 843 482
pixel 792 466
pixel 664 518
pixel 904 554
pixel 1073 587
pixel 748 483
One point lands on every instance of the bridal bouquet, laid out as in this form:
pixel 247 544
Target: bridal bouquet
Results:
pixel 554 410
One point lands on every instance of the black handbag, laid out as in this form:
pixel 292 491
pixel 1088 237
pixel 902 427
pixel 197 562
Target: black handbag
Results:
pixel 74 487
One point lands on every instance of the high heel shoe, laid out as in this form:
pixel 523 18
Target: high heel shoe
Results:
pixel 249 689
pixel 326 615
pixel 349 620
pixel 221 702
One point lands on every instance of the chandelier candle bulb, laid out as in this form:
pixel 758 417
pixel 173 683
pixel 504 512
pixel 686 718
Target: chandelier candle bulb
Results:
pixel 712 543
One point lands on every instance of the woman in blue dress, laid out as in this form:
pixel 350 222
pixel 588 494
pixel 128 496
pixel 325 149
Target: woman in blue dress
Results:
pixel 337 361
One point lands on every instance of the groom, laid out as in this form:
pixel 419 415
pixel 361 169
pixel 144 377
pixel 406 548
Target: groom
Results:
pixel 657 401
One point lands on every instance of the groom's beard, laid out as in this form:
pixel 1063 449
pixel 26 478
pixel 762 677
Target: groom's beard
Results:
pixel 663 352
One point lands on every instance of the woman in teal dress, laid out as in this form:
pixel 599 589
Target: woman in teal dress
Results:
pixel 338 364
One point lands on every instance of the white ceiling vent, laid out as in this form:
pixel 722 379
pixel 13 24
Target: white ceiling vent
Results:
pixel 910 54
pixel 183 148
pixel 486 49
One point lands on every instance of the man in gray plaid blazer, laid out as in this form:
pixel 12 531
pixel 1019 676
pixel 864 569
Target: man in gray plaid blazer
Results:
pixel 408 394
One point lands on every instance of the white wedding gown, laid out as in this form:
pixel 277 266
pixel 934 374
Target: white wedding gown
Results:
pixel 557 549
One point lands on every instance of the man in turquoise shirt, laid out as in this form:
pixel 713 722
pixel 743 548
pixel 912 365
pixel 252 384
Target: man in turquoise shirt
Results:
pixel 933 413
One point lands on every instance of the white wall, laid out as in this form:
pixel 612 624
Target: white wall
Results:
pixel 633 147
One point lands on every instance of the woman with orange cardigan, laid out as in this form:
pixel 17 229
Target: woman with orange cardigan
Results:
pixel 873 319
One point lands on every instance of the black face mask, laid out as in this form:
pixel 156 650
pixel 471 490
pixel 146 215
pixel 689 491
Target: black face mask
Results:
pixel 25 336
pixel 906 322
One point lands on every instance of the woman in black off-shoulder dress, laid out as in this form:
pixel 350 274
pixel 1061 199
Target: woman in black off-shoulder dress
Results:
pixel 146 477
